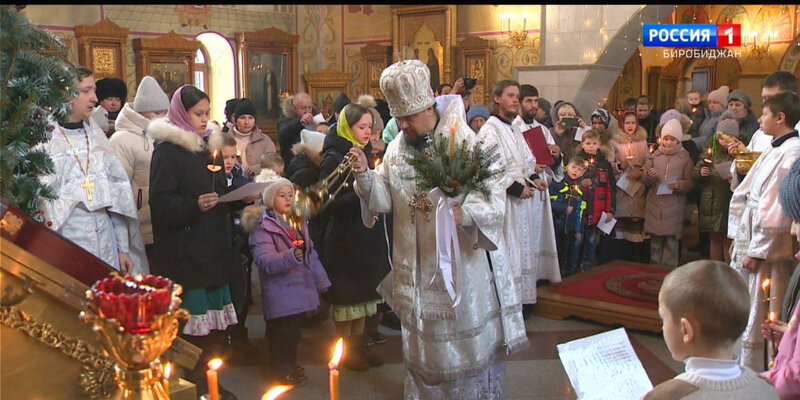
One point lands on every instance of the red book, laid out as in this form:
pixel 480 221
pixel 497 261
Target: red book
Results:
pixel 538 145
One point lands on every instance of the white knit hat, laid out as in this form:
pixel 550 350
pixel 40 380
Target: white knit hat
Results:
pixel 150 96
pixel 407 87
pixel 672 128
pixel 268 195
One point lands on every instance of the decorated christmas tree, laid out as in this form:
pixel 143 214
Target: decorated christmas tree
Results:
pixel 36 85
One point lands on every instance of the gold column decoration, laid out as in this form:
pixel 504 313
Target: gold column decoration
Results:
pixel 474 59
pixel 101 47
pixel 97 378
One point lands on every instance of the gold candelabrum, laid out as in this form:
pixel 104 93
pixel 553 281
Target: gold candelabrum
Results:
pixel 517 38
pixel 309 202
pixel 759 51
pixel 136 320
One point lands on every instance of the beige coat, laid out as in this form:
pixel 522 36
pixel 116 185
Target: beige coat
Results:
pixel 635 146
pixel 664 213
pixel 259 144
pixel 134 149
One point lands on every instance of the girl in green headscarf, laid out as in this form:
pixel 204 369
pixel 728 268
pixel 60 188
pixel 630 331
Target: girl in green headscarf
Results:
pixel 355 124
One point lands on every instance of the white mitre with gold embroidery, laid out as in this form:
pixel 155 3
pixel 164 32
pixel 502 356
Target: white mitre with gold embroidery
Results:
pixel 407 87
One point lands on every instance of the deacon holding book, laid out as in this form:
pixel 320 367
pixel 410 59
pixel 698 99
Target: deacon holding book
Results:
pixel 522 186
pixel 549 167
pixel 454 347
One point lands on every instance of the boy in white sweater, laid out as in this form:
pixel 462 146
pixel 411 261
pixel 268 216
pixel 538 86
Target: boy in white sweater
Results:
pixel 704 306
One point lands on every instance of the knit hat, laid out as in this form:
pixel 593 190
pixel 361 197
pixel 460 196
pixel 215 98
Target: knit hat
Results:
pixel 728 126
pixel 111 87
pixel 477 110
pixel 244 107
pixel 668 115
pixel 720 95
pixel 789 192
pixel 742 96
pixel 150 96
pixel 673 128
pixel 230 107
pixel 268 195
pixel 600 113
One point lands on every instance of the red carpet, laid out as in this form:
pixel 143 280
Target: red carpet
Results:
pixel 630 285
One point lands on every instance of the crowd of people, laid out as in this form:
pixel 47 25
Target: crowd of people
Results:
pixel 139 185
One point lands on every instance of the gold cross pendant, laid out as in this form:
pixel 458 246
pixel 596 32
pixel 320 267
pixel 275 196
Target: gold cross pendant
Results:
pixel 89 187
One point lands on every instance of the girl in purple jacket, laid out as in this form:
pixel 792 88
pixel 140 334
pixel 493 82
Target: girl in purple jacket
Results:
pixel 291 278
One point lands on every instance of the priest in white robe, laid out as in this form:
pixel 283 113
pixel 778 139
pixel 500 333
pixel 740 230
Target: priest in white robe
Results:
pixel 94 207
pixel 454 343
pixel 762 243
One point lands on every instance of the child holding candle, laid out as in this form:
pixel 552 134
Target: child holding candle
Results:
pixel 672 167
pixel 630 155
pixel 601 190
pixel 291 277
pixel 568 209
pixel 762 243
pixel 704 308
pixel 715 191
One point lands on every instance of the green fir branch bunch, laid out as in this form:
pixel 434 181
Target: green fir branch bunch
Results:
pixel 36 86
pixel 457 171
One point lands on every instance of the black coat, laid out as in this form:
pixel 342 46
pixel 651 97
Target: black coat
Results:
pixel 354 256
pixel 192 248
pixel 288 134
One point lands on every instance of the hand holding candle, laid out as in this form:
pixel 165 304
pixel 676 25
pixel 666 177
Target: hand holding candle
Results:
pixel 333 366
pixel 213 167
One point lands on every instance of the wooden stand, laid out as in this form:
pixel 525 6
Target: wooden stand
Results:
pixel 550 304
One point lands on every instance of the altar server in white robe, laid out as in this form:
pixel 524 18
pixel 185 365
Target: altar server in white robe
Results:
pixel 544 239
pixel 762 244
pixel 94 206
pixel 453 346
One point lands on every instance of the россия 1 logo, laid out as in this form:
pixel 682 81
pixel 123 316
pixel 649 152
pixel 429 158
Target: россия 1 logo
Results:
pixel 692 35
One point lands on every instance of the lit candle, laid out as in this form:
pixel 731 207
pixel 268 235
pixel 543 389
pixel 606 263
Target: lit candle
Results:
pixel 452 140
pixel 501 22
pixel 772 318
pixel 333 366
pixel 591 161
pixel 211 377
pixel 167 374
pixel 709 152
pixel 765 287
pixel 525 21
pixel 213 167
pixel 275 392
pixel 630 153
pixel 377 162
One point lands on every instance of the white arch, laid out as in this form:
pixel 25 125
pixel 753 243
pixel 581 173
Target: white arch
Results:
pixel 221 71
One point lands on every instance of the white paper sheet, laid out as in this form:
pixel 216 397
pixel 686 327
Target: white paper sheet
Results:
pixel 724 169
pixel 663 187
pixel 604 366
pixel 248 190
pixel 579 133
pixel 629 186
pixel 604 226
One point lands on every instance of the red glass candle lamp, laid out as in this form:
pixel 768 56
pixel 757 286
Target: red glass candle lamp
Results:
pixel 133 301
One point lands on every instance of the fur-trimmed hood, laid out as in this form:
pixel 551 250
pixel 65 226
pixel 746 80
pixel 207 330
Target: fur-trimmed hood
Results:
pixel 304 149
pixel 251 217
pixel 160 130
pixel 621 137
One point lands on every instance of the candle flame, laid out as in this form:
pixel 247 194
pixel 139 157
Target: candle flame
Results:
pixel 275 392
pixel 338 351
pixel 167 370
pixel 215 363
pixel 214 154
pixel 377 162
pixel 708 150
pixel 139 278
pixel 772 316
pixel 765 284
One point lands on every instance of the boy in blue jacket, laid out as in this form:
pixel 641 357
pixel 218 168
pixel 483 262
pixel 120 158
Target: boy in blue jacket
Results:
pixel 568 208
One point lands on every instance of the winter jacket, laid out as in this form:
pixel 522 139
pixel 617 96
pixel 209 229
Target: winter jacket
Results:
pixel 562 196
pixel 191 247
pixel 715 195
pixel 697 116
pixel 288 134
pixel 601 195
pixel 258 145
pixel 288 286
pixel 354 256
pixel 748 125
pixel 664 216
pixel 629 206
pixel 707 128
pixel 303 170
pixel 135 150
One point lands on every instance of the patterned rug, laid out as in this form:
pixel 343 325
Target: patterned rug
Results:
pixel 627 284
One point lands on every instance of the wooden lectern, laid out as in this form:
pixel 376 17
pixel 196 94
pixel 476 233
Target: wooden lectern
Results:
pixel 46 352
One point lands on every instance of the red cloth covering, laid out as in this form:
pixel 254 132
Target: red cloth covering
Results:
pixel 593 287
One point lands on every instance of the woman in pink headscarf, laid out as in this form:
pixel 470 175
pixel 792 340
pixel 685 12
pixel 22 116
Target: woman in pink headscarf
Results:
pixel 191 229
